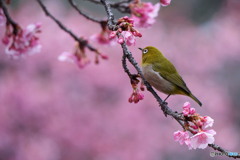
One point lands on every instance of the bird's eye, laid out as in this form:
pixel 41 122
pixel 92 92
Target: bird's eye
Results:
pixel 145 51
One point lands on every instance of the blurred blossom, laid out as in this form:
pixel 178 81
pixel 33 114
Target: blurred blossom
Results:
pixel 104 38
pixel 165 2
pixel 66 56
pixel 25 42
pixel 2 18
pixel 78 57
pixel 144 14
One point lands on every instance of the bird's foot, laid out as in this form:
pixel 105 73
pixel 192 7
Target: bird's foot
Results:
pixel 164 103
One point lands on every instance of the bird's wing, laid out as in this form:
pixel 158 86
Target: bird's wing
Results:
pixel 169 72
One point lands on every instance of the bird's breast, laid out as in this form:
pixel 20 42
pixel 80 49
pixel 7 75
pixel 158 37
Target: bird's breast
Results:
pixel 157 81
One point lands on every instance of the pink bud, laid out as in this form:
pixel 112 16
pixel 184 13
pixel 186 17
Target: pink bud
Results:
pixel 165 2
pixel 140 96
pixel 186 105
pixel 120 40
pixel 185 112
pixel 104 56
pixel 112 34
pixel 125 17
pixel 192 111
pixel 194 127
pixel 130 100
pixel 131 20
pixel 139 34
pixel 199 123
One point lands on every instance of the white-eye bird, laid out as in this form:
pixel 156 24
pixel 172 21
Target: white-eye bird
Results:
pixel 162 74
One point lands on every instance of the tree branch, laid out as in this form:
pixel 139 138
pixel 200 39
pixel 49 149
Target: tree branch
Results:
pixel 81 41
pixel 128 55
pixel 8 17
pixel 121 6
pixel 73 4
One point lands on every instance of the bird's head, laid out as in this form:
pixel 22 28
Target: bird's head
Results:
pixel 151 54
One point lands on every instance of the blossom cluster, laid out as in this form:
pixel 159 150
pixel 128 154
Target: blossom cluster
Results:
pixel 21 42
pixel 79 57
pixel 145 13
pixel 103 37
pixel 136 95
pixel 142 15
pixel 198 126
pixel 126 31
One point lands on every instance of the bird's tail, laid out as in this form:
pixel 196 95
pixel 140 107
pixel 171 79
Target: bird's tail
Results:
pixel 195 99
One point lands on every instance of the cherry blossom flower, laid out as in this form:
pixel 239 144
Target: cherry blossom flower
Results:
pixel 202 139
pixel 129 38
pixel 207 122
pixel 165 2
pixel 197 125
pixel 144 14
pixel 181 137
pixel 25 42
pixel 199 140
pixel 2 18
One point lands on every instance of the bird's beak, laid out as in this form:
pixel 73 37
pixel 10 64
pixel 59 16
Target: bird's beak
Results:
pixel 140 49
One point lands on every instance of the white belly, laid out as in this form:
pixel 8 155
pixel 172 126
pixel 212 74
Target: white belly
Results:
pixel 156 80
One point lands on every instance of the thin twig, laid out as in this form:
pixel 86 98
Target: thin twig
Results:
pixel 8 17
pixel 110 22
pixel 164 106
pixel 73 4
pixel 81 41
pixel 122 6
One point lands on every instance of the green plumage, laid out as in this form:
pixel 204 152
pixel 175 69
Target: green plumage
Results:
pixel 154 63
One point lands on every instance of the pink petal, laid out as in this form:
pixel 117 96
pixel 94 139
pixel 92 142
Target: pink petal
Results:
pixel 165 2
pixel 201 140
pixel 186 105
pixel 208 122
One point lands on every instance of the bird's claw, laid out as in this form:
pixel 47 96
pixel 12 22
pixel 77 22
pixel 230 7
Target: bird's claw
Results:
pixel 164 103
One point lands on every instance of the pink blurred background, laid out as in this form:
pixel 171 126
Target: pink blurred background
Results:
pixel 51 110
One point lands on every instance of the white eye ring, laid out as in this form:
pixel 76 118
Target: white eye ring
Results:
pixel 145 51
